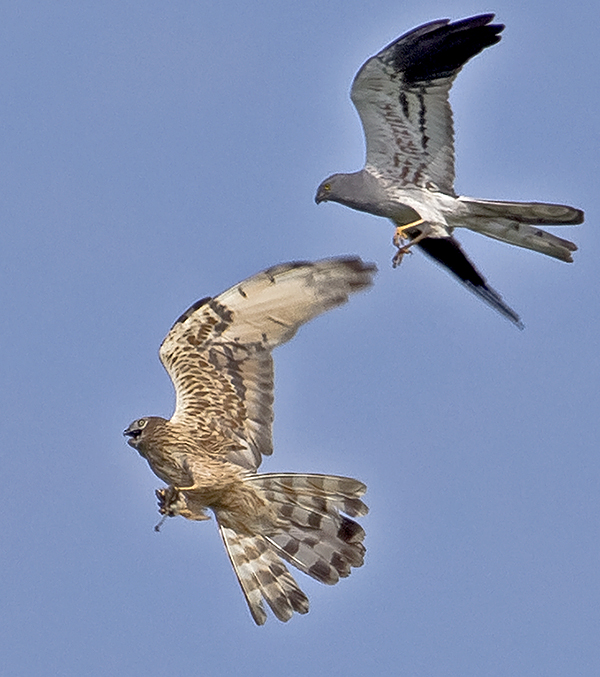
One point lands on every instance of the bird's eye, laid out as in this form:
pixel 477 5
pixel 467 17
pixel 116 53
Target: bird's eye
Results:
pixel 142 423
pixel 327 187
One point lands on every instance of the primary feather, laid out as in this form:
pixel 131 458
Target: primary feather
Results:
pixel 401 95
pixel 218 355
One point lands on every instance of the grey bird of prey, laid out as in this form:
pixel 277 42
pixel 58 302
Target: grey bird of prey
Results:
pixel 218 355
pixel 401 95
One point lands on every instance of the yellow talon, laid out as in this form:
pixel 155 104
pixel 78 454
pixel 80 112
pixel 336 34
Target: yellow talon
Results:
pixel 399 235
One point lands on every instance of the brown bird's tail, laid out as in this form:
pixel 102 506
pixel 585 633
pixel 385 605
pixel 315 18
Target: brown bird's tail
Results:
pixel 310 532
pixel 514 222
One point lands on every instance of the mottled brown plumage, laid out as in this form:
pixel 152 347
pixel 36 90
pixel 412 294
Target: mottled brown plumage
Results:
pixel 218 355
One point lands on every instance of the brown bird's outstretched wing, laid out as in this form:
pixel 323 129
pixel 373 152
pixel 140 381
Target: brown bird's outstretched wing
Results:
pixel 218 353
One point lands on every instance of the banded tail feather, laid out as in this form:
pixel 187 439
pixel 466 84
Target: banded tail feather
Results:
pixel 514 223
pixel 309 531
pixel 262 575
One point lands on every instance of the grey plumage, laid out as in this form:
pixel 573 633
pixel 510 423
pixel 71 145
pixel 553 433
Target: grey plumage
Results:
pixel 401 95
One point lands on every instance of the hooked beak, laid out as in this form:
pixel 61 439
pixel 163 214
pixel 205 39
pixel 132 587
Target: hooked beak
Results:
pixel 132 433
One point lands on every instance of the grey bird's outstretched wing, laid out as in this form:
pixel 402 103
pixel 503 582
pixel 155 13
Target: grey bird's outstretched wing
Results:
pixel 401 95
pixel 449 254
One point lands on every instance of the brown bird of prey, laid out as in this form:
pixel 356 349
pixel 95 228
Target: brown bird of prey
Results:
pixel 401 95
pixel 218 355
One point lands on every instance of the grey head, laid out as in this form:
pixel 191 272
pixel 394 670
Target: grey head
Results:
pixel 359 190
pixel 142 430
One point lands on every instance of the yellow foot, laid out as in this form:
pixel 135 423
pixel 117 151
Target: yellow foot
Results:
pixel 400 234
pixel 400 238
pixel 172 503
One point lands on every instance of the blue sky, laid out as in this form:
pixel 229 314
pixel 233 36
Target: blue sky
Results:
pixel 154 153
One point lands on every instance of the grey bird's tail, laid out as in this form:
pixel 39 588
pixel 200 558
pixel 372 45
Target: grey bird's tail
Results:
pixel 310 532
pixel 514 222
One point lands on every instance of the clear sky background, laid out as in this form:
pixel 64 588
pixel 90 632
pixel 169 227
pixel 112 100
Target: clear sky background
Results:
pixel 152 153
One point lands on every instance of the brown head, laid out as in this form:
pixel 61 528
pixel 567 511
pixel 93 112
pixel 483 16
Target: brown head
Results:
pixel 141 432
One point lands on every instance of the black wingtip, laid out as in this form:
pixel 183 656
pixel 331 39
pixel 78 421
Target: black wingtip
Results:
pixel 447 252
pixel 493 299
pixel 440 49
